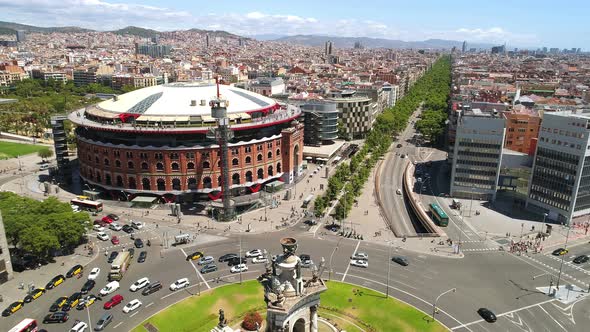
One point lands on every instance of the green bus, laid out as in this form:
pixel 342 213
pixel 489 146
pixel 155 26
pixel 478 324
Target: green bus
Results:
pixel 439 215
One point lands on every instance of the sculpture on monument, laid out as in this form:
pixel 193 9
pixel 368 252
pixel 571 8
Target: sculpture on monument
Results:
pixel 222 320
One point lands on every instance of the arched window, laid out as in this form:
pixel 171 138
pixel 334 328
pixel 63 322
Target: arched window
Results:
pixel 235 162
pixel 107 178
pixel 144 165
pixel 235 179
pixel 278 154
pixel 269 170
pixel 91 174
pixel 98 177
pixel 89 158
pixel 219 163
pixel 249 176
pixel 131 182
pixel 118 163
pixel 175 184
pixel 96 159
pixel 219 182
pixel 190 165
pixel 259 157
pixel 192 183
pixel 130 165
pixel 145 183
pixel 248 160
pixel 161 184
pixel 206 165
pixel 119 181
pixel 159 167
pixel 260 173
pixel 269 155
pixel 207 182
pixel 106 161
pixel 175 167
pixel 279 167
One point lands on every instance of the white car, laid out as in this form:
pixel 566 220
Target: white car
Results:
pixel 79 327
pixel 139 284
pixel 134 304
pixel 360 256
pixel 259 259
pixel 94 273
pixel 137 224
pixel 254 253
pixel 206 260
pixel 75 208
pixel 399 191
pixel 102 236
pixel 238 268
pixel 98 228
pixel 179 284
pixel 115 227
pixel 109 288
pixel 359 263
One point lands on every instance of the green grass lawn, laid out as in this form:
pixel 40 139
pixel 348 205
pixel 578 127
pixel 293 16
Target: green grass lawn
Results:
pixel 11 150
pixel 366 308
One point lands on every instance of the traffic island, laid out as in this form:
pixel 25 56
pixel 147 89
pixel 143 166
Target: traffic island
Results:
pixel 346 307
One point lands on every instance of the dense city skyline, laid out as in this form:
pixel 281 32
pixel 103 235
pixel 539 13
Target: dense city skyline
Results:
pixel 522 24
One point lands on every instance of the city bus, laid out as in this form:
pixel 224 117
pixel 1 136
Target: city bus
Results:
pixel 26 325
pixel 439 215
pixel 307 200
pixel 86 204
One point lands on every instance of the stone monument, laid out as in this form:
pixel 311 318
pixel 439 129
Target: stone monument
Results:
pixel 292 303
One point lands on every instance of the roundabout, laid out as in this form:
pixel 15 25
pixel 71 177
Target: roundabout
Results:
pixel 343 306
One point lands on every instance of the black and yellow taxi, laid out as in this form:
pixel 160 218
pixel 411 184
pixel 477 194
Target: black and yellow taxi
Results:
pixel 86 302
pixel 35 294
pixel 72 302
pixel 56 281
pixel 58 304
pixel 74 271
pixel 12 308
pixel 194 256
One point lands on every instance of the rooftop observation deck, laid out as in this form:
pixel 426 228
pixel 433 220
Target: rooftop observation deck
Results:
pixel 182 124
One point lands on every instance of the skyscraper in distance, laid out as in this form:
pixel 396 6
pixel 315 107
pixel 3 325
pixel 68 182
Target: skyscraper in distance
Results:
pixel 464 47
pixel 20 36
pixel 328 48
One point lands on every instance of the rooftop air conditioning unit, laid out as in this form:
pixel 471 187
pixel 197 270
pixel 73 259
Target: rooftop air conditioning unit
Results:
pixel 203 102
pixel 193 103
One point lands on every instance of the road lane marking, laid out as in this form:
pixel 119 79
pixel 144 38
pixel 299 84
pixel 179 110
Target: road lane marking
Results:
pixel 353 253
pixel 115 327
pixel 555 320
pixel 393 280
pixel 149 304
pixel 133 314
pixel 196 270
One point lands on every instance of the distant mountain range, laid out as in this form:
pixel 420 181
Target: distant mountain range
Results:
pixel 9 27
pixel 348 42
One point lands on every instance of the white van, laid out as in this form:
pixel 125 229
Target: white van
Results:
pixel 80 327
pixel 137 224
pixel 44 167
pixel 109 288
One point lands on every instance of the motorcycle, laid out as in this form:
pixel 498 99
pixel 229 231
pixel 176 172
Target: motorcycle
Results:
pixel 149 244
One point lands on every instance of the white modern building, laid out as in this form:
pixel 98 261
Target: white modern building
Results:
pixel 478 155
pixel 560 181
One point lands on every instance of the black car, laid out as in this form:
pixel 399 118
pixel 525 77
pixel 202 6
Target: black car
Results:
pixel 311 222
pixel 56 281
pixel 142 257
pixel 56 317
pixel 581 259
pixel 88 286
pixel 113 216
pixel 72 301
pixel 77 269
pixel 138 243
pixel 112 256
pixel 399 145
pixel 152 288
pixel 237 260
pixel 227 257
pixel 332 227
pixel 208 268
pixel 131 252
pixel 401 260
pixel 128 229
pixel 58 304
pixel 487 314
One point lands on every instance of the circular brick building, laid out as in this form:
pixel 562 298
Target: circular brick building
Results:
pixel 160 141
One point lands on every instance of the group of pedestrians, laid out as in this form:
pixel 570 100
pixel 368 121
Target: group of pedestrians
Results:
pixel 527 245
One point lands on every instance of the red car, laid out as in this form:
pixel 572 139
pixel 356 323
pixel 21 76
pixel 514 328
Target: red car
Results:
pixel 115 240
pixel 113 301
pixel 107 219
pixel 100 222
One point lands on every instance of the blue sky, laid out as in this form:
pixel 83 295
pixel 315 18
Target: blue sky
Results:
pixel 522 23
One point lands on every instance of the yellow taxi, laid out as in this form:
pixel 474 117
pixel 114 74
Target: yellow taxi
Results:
pixel 56 281
pixel 74 299
pixel 77 269
pixel 58 304
pixel 12 308
pixel 194 256
pixel 34 295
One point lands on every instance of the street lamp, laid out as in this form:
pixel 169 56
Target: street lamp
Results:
pixel 332 256
pixel 388 267
pixel 567 236
pixel 550 281
pixel 240 259
pixel 434 304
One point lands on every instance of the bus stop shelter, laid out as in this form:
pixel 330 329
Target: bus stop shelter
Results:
pixel 143 201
